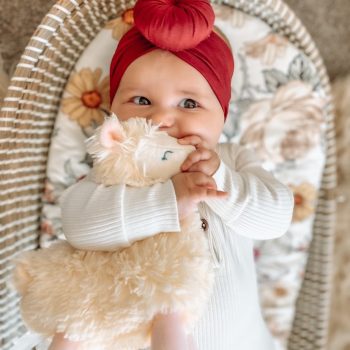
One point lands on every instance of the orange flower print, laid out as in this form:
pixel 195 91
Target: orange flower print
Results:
pixel 280 291
pixel 88 97
pixel 304 201
pixel 122 24
pixel 279 326
pixel 48 195
pixel 47 228
pixel 276 300
pixel 267 49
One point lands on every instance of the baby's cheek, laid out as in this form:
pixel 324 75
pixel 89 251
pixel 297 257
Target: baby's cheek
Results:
pixel 124 111
pixel 115 106
pixel 209 132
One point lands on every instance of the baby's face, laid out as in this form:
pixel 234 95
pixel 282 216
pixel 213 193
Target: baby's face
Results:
pixel 161 87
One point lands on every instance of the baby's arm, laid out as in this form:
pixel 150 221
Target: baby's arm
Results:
pixel 258 205
pixel 96 217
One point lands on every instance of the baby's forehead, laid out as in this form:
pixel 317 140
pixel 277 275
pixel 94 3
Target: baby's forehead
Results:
pixel 160 70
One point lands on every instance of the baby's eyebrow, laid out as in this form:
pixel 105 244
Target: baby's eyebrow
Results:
pixel 191 93
pixel 130 89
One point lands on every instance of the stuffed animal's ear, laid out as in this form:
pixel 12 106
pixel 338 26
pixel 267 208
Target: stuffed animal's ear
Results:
pixel 111 132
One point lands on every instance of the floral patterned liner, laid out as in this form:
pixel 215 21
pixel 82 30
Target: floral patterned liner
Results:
pixel 276 109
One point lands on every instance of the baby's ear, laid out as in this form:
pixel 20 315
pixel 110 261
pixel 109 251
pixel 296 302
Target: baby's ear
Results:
pixel 111 132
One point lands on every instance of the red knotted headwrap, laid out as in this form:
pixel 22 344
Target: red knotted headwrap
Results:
pixel 183 27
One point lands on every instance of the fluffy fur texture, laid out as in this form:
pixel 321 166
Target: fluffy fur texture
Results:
pixel 108 299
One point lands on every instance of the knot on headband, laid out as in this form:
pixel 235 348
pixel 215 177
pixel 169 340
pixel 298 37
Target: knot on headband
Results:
pixel 174 25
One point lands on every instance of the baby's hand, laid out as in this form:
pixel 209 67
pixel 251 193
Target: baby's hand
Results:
pixel 203 159
pixel 192 188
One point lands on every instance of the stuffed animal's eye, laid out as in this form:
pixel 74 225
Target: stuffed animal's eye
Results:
pixel 188 103
pixel 141 100
pixel 165 155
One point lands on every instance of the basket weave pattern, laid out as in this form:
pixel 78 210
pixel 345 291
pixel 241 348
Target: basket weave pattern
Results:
pixel 26 123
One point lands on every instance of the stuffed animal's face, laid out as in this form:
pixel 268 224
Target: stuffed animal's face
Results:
pixel 135 153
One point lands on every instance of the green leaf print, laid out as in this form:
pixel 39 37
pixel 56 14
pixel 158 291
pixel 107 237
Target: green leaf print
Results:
pixel 274 79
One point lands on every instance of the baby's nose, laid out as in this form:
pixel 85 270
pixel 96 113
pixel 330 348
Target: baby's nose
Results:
pixel 164 117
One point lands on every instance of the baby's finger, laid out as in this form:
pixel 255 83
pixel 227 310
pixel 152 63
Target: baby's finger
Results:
pixel 202 180
pixel 208 184
pixel 216 194
pixel 203 166
pixel 221 193
pixel 210 193
pixel 195 157
pixel 193 140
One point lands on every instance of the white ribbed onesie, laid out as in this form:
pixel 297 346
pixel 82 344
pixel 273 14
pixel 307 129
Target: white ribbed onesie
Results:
pixel 95 217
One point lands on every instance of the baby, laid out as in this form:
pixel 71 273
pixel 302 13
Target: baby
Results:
pixel 173 69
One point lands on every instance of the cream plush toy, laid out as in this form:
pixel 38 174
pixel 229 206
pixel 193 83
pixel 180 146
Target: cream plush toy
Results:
pixel 108 300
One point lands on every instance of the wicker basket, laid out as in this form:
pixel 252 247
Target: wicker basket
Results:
pixel 26 123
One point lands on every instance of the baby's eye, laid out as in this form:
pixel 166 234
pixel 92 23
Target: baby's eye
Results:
pixel 188 103
pixel 140 100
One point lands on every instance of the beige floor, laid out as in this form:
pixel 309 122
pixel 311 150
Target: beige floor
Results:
pixel 4 81
pixel 340 307
pixel 327 21
pixel 16 30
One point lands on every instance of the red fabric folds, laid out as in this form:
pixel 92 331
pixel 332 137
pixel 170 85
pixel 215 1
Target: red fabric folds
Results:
pixel 205 50
pixel 174 25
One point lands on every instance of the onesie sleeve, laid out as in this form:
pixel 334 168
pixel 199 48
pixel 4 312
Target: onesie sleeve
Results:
pixel 258 206
pixel 98 217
